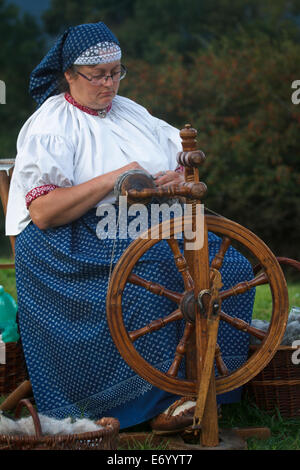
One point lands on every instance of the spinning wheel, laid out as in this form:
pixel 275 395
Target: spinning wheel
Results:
pixel 188 303
pixel 200 304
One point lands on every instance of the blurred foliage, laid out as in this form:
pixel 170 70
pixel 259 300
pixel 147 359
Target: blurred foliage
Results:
pixel 224 66
pixel 20 52
pixel 182 26
pixel 238 97
pixel 22 42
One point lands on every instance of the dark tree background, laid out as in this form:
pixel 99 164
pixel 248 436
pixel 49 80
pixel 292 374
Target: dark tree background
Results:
pixel 225 66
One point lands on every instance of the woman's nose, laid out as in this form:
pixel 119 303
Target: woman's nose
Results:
pixel 107 80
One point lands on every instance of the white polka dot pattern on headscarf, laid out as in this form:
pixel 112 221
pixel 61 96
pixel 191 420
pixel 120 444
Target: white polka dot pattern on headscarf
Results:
pixel 101 53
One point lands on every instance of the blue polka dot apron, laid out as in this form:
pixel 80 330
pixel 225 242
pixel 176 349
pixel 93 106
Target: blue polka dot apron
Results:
pixel 74 367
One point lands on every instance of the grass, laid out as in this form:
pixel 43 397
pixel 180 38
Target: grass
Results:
pixel 263 299
pixel 150 443
pixel 8 278
pixel 285 433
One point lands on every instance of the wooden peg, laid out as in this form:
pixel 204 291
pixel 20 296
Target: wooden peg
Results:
pixel 188 135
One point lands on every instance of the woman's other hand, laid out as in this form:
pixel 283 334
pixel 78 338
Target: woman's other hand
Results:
pixel 167 178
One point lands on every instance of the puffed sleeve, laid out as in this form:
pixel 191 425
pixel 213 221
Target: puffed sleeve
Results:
pixel 44 160
pixel 169 139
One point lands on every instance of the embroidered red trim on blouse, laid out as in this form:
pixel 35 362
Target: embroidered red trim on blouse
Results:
pixel 85 109
pixel 39 191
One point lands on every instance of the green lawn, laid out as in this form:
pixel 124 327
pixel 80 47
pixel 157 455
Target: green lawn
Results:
pixel 285 432
pixel 263 300
pixel 8 279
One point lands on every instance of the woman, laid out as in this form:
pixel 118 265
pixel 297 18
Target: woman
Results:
pixel 70 153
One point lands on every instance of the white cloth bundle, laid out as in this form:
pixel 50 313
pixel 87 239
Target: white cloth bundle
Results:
pixel 292 331
pixel 50 426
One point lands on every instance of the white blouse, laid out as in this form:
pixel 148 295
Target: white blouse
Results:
pixel 63 146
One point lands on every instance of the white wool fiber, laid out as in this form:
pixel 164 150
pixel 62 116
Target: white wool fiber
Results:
pixel 49 426
pixel 292 331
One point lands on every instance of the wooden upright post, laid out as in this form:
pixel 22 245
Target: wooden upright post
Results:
pixel 198 262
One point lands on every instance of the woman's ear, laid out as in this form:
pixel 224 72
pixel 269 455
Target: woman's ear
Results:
pixel 69 76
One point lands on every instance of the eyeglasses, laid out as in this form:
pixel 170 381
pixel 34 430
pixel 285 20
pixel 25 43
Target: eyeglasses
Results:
pixel 101 79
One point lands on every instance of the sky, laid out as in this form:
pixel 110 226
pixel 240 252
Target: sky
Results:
pixel 32 6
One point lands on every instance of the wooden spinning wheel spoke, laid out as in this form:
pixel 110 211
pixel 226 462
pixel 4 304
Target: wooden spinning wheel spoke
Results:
pixel 180 350
pixel 155 288
pixel 218 259
pixel 181 264
pixel 242 326
pixel 244 286
pixel 221 366
pixel 155 325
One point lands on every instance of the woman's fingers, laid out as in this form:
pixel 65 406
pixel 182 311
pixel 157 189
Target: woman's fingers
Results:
pixel 166 178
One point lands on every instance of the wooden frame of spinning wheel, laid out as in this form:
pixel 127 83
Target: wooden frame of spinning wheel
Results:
pixel 199 340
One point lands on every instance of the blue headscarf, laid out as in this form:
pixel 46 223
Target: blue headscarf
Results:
pixel 44 79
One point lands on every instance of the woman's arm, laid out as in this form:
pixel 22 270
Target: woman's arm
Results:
pixel 64 205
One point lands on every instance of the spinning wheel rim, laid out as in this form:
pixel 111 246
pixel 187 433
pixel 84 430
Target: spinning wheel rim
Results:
pixel 254 364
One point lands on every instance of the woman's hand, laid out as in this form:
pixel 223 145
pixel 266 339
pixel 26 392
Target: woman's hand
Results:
pixel 167 178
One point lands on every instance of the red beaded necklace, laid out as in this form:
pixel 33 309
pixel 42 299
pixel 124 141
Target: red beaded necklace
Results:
pixel 101 113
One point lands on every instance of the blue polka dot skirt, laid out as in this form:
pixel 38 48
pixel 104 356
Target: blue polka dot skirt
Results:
pixel 74 367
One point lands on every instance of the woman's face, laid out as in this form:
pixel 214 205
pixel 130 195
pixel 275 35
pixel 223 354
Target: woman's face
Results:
pixel 90 95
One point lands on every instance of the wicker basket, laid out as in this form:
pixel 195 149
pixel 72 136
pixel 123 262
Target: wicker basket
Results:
pixel 277 386
pixel 104 439
pixel 14 371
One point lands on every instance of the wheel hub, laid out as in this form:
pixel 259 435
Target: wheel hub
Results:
pixel 188 306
